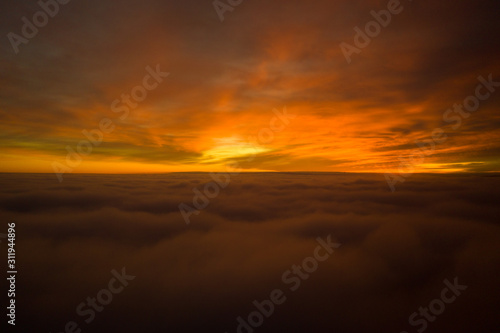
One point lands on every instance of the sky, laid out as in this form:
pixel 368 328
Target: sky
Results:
pixel 396 251
pixel 227 81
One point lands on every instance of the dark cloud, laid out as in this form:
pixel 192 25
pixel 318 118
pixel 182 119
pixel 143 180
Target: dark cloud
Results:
pixel 397 248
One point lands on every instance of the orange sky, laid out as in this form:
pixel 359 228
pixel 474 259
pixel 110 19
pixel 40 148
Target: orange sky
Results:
pixel 226 78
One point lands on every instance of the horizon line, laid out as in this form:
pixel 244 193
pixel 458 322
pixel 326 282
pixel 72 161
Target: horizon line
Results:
pixel 208 172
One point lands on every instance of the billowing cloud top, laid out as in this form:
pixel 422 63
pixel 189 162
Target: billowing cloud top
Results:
pixel 396 251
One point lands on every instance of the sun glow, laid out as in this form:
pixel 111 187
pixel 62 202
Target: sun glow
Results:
pixel 231 147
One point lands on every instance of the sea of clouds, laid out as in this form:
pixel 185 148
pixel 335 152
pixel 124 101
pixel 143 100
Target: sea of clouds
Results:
pixel 397 249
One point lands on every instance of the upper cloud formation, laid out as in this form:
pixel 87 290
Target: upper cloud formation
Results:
pixel 227 77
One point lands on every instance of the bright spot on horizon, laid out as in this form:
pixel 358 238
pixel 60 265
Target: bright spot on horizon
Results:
pixel 231 147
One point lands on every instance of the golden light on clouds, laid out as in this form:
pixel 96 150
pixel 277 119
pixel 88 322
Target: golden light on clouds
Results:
pixel 225 80
pixel 230 148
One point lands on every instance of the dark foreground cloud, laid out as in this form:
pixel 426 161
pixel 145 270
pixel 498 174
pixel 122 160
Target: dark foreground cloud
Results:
pixel 397 249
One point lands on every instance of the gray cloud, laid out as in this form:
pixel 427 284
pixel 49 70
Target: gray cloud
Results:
pixel 397 248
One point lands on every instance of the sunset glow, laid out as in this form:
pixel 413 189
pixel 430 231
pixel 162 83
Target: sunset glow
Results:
pixel 225 81
pixel 250 166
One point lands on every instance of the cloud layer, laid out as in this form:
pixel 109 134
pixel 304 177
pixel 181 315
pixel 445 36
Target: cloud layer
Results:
pixel 227 77
pixel 397 248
